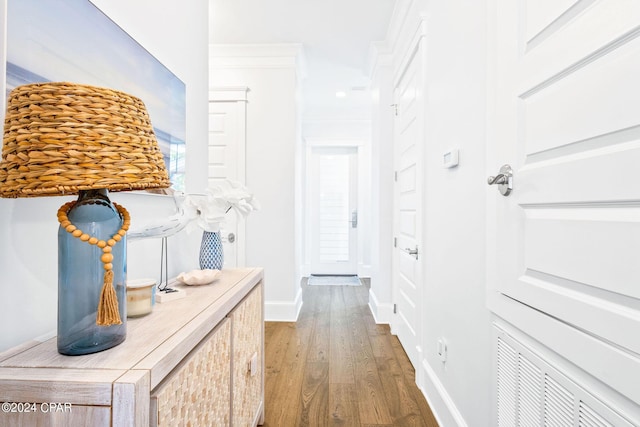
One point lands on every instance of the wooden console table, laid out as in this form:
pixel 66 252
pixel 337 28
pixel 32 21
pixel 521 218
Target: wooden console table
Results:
pixel 194 361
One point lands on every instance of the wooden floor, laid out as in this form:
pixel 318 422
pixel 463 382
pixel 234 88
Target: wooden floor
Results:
pixel 336 367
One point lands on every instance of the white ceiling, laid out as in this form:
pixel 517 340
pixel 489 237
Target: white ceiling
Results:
pixel 336 35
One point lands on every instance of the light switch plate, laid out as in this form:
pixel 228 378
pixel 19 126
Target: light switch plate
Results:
pixel 450 158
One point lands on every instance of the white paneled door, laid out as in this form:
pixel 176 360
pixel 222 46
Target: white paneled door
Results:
pixel 565 115
pixel 408 214
pixel 227 130
pixel 334 212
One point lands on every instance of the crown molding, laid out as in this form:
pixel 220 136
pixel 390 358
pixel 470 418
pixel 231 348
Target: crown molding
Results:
pixel 228 93
pixel 257 55
pixel 380 55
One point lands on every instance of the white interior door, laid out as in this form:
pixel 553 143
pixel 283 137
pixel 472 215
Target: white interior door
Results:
pixel 408 152
pixel 334 212
pixel 227 124
pixel 563 265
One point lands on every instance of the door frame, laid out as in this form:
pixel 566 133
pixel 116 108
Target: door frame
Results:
pixel 310 144
pixel 415 49
pixel 238 96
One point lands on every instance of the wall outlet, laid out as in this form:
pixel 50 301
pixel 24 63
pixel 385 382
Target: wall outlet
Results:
pixel 442 349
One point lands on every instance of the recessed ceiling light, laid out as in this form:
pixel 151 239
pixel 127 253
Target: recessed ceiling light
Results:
pixel 341 94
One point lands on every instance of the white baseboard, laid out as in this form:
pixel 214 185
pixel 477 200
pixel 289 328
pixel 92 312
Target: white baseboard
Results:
pixel 364 270
pixel 283 311
pixel 441 404
pixel 382 313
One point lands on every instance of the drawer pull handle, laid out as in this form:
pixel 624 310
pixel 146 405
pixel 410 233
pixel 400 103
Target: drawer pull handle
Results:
pixel 252 366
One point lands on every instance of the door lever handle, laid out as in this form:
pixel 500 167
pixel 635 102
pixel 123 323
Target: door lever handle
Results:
pixel 499 179
pixel 413 252
pixel 504 180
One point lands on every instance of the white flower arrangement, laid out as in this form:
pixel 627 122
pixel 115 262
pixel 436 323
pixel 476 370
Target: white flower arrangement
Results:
pixel 218 200
pixel 206 210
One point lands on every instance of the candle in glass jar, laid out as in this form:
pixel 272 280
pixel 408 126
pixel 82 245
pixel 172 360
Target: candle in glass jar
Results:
pixel 139 297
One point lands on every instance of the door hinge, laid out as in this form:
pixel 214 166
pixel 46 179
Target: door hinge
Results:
pixel 395 308
pixel 395 109
pixel 395 242
pixel 395 176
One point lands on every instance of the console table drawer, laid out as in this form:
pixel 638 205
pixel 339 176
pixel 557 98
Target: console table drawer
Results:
pixel 198 391
pixel 247 359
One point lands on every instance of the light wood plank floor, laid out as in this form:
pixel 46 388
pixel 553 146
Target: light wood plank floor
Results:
pixel 336 367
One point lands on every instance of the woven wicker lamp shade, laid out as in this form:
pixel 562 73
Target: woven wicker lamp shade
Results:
pixel 60 138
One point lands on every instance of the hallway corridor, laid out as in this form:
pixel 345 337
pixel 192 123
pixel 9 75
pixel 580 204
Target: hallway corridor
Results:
pixel 336 367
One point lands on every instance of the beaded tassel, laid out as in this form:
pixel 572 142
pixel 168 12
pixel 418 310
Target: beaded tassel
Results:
pixel 108 313
pixel 108 309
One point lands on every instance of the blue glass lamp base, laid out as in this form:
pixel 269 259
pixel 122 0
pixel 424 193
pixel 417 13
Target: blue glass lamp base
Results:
pixel 81 277
pixel 86 341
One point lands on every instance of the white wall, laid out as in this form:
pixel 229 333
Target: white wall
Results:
pixel 336 129
pixel 176 33
pixel 273 145
pixel 455 206
pixel 458 390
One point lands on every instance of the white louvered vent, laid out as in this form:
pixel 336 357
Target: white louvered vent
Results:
pixel 587 417
pixel 558 404
pixel 507 384
pixel 531 392
pixel 529 380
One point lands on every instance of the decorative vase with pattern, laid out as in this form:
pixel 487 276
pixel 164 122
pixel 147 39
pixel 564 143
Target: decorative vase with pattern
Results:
pixel 211 252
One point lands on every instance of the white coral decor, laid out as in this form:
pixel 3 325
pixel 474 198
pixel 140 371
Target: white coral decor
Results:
pixel 220 199
pixel 198 277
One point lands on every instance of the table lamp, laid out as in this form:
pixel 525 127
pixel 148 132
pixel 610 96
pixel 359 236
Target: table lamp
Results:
pixel 67 139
